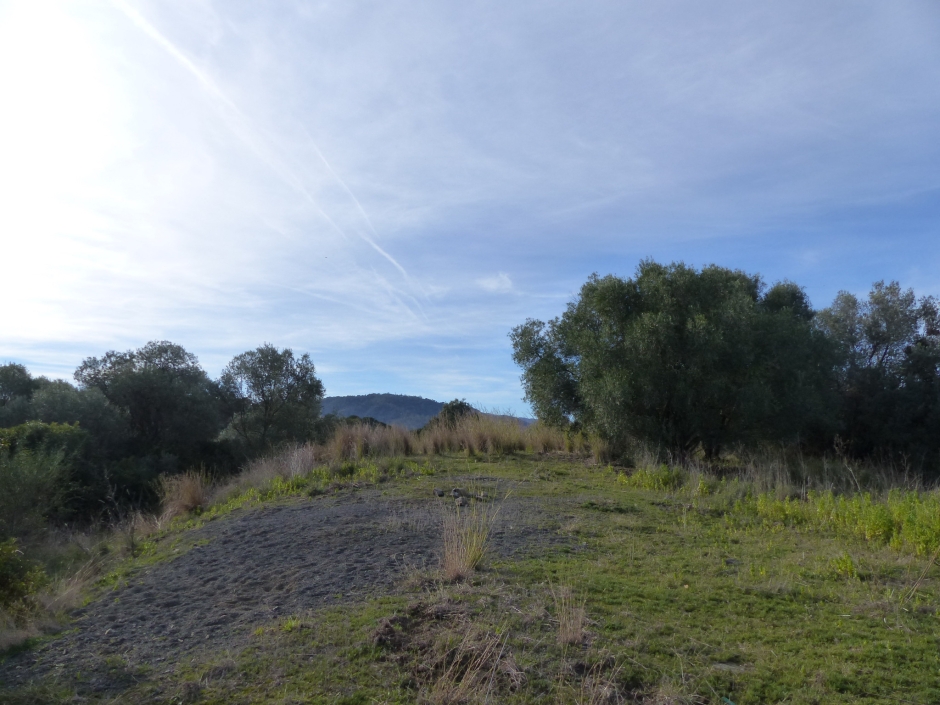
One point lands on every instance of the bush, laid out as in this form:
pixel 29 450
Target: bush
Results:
pixel 36 436
pixel 19 578
pixel 32 488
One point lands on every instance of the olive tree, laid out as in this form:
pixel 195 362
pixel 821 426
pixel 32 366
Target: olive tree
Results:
pixel 170 403
pixel 275 396
pixel 16 388
pixel 680 358
pixel 889 371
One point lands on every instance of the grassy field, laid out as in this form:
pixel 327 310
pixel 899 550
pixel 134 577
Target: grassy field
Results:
pixel 664 587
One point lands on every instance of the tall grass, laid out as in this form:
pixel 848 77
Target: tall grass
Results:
pixel 570 614
pixel 881 504
pixel 466 533
pixel 358 441
pixel 488 434
pixel 184 493
pixel 468 670
pixel 907 520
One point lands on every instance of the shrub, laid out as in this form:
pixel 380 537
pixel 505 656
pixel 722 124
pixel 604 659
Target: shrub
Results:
pixel 32 487
pixel 19 578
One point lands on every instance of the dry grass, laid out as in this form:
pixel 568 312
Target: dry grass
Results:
pixel 181 494
pixel 466 533
pixel 358 441
pixel 47 610
pixel 491 434
pixel 469 670
pixel 598 687
pixel 290 462
pixel 570 614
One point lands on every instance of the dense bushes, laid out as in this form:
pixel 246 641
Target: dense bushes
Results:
pixel 19 578
pixel 701 361
pixel 94 451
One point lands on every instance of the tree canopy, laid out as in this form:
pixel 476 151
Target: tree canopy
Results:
pixel 888 371
pixel 169 401
pixel 681 358
pixel 275 397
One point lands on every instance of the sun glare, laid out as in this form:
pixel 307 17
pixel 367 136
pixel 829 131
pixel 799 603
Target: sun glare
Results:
pixel 58 133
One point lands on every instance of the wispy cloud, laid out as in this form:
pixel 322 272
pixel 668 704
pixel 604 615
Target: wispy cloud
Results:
pixel 498 283
pixel 393 186
pixel 241 126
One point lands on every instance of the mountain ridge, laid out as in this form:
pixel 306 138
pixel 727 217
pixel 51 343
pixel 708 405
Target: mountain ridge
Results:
pixel 406 410
pixel 409 411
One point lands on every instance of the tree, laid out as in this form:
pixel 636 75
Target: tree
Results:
pixel 275 397
pixel 452 412
pixel 680 358
pixel 888 371
pixel 16 388
pixel 57 401
pixel 171 404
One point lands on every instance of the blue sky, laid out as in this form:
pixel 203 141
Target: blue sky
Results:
pixel 391 186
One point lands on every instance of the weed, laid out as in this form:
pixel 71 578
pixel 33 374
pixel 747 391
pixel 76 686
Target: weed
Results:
pixel 662 478
pixel 844 566
pixel 292 623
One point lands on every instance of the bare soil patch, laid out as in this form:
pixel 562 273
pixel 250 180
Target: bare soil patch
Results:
pixel 253 567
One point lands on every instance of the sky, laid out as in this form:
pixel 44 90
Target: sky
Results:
pixel 392 186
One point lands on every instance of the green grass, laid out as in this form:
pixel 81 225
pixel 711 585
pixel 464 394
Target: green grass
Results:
pixel 694 589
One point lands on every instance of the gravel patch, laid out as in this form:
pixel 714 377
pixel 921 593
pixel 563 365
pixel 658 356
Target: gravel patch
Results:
pixel 256 566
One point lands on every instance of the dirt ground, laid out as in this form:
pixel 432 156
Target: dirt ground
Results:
pixel 252 567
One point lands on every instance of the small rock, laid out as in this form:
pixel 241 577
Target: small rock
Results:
pixel 462 502
pixel 438 492
pixel 456 492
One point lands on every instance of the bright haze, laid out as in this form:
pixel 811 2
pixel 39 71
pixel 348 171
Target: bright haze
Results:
pixel 392 186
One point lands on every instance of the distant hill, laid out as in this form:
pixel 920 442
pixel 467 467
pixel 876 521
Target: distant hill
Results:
pixel 398 409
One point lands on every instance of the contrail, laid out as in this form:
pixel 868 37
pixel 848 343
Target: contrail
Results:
pixel 243 131
pixel 355 200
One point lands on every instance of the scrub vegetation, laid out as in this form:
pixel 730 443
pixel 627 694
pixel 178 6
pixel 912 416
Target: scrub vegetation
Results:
pixel 729 497
pixel 663 583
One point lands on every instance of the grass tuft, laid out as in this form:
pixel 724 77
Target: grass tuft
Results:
pixel 184 493
pixel 466 535
pixel 570 614
pixel 469 670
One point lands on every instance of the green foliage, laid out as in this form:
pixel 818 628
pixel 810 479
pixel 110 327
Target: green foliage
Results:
pixel 680 358
pixel 662 478
pixel 451 414
pixel 889 372
pixel 57 401
pixel 36 461
pixel 275 397
pixel 39 437
pixel 19 578
pixel 33 488
pixel 16 388
pixel 171 404
pixel 905 520
pixel 15 381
